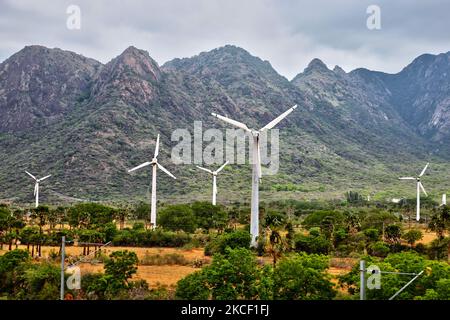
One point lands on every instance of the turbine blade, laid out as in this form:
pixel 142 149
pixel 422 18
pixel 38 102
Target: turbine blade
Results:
pixel 204 169
pixel 42 179
pixel 275 121
pixel 165 170
pixel 423 189
pixel 157 147
pixel 31 175
pixel 424 169
pixel 231 121
pixel 140 166
pixel 407 178
pixel 221 168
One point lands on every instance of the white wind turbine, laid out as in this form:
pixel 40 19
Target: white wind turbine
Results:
pixel 444 200
pixel 214 175
pixel 419 187
pixel 36 185
pixel 154 164
pixel 256 172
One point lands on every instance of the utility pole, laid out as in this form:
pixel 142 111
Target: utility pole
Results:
pixel 362 286
pixel 63 255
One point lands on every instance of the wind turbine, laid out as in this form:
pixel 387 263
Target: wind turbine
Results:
pixel 36 185
pixel 256 172
pixel 214 175
pixel 154 163
pixel 419 187
pixel 444 200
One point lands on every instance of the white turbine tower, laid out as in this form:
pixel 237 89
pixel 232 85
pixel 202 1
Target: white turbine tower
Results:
pixel 214 175
pixel 419 187
pixel 444 199
pixel 36 185
pixel 256 172
pixel 154 164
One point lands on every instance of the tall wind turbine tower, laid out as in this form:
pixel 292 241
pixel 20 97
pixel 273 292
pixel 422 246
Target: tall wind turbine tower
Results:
pixel 419 187
pixel 256 172
pixel 155 164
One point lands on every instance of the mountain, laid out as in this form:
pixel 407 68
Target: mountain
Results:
pixel 421 93
pixel 39 85
pixel 86 123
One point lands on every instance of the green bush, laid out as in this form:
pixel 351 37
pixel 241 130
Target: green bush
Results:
pixel 379 249
pixel 236 239
pixel 312 244
pixel 151 238
pixel 178 217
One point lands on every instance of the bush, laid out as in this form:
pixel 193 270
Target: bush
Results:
pixel 312 244
pixel 236 239
pixel 208 216
pixel 302 277
pixel 151 238
pixel 178 217
pixel 378 249
pixel 192 287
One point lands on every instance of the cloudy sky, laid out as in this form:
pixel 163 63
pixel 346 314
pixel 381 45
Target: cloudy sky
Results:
pixel 288 33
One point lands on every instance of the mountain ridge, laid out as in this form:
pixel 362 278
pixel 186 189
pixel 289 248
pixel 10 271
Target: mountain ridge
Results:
pixel 346 122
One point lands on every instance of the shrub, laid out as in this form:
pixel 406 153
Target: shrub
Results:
pixel 312 244
pixel 178 217
pixel 379 249
pixel 302 277
pixel 192 287
pixel 236 239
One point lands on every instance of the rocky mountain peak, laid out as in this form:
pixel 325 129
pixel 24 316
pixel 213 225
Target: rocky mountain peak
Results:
pixel 316 65
pixel 132 76
pixel 38 84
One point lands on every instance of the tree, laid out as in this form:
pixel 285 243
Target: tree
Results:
pixel 315 242
pixel 274 222
pixel 121 265
pixel 208 216
pixel 354 197
pixel 177 217
pixel 233 240
pixel 10 270
pixel 412 236
pixel 41 282
pixel 440 221
pixel 302 277
pixel 193 287
pixel 232 275
pixel 89 215
pixel 393 233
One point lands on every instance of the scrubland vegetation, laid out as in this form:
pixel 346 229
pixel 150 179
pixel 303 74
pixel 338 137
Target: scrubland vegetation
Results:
pixel 306 250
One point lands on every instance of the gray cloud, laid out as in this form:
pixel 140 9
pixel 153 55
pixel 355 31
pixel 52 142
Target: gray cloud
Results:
pixel 287 33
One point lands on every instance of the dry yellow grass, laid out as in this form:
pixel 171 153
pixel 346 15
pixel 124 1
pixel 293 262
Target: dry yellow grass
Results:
pixel 165 274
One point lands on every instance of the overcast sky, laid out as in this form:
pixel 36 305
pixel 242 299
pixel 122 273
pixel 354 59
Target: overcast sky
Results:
pixel 288 33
